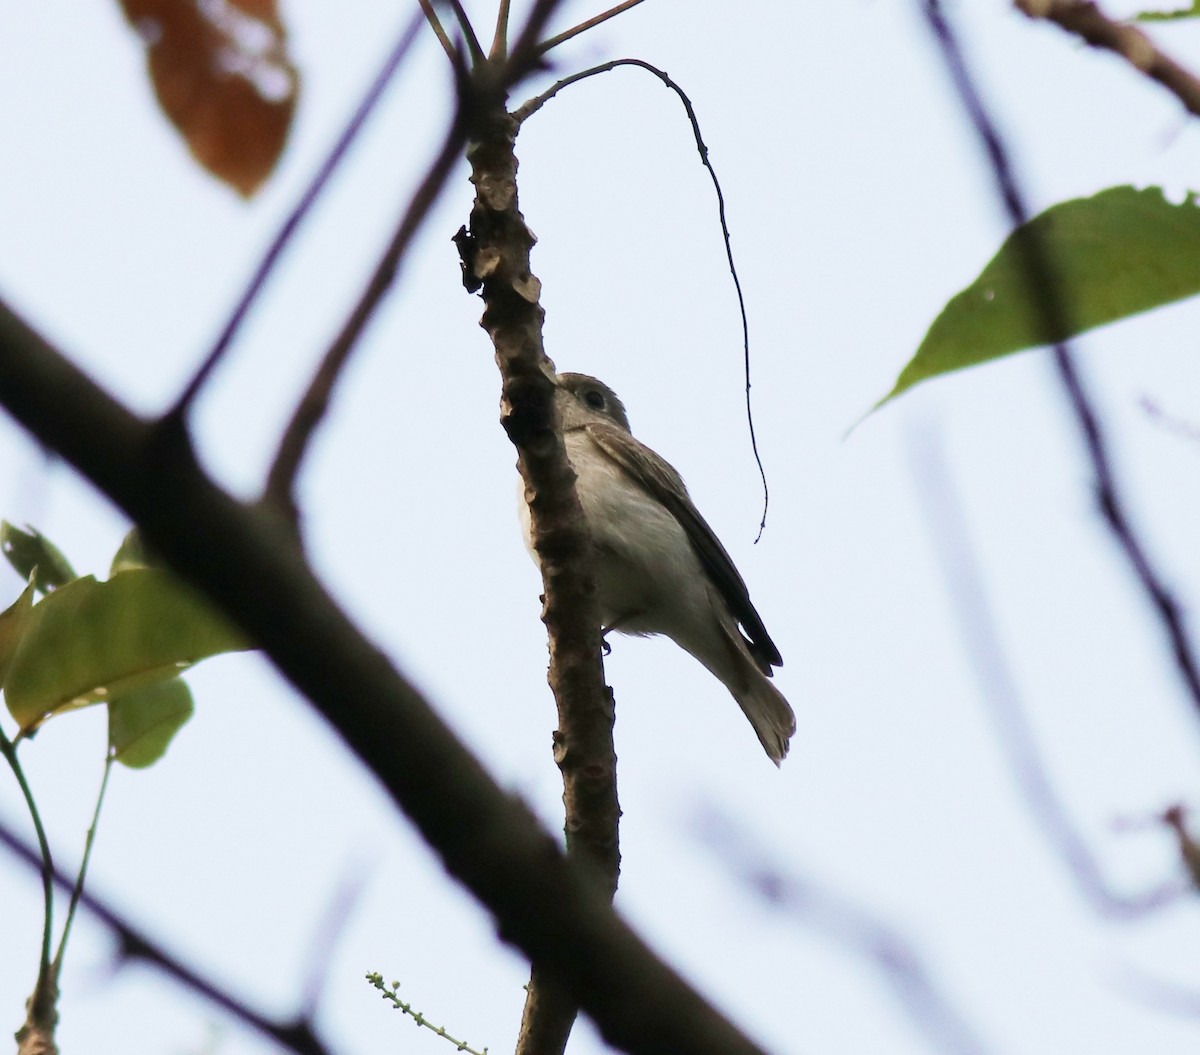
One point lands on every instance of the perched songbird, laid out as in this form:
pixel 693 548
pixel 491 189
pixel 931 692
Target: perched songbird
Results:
pixel 660 568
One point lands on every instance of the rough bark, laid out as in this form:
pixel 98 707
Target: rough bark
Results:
pixel 496 258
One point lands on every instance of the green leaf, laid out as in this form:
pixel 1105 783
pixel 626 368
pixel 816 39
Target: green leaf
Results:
pixel 91 641
pixel 1120 252
pixel 1168 16
pixel 142 723
pixel 26 550
pixel 13 622
pixel 130 554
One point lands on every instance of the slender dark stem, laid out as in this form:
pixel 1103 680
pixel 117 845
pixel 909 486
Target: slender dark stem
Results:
pixel 468 31
pixel 529 108
pixel 135 945
pixel 279 490
pixel 290 225
pixel 9 749
pixel 1044 292
pixel 583 27
pixel 77 889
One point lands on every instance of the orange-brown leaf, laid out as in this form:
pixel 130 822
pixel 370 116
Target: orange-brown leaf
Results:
pixel 223 77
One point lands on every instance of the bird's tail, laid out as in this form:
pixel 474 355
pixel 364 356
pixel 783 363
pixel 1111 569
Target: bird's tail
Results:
pixel 769 713
pixel 727 654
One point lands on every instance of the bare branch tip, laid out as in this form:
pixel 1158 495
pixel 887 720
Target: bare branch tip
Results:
pixel 438 30
pixel 583 27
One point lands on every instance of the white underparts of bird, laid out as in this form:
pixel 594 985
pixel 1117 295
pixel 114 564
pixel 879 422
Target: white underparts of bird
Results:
pixel 660 569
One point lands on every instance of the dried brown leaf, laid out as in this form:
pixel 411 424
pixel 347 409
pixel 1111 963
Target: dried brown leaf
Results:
pixel 223 77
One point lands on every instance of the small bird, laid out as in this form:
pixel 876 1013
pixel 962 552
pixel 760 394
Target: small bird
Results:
pixel 660 568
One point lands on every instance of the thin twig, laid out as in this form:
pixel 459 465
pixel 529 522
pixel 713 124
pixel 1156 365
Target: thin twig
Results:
pixel 436 25
pixel 392 996
pixel 81 878
pixel 468 30
pixel 527 109
pixel 950 543
pixel 1085 20
pixel 1170 423
pixel 290 225
pixel 851 927
pixel 500 40
pixel 1044 294
pixel 278 492
pixel 135 945
pixel 574 31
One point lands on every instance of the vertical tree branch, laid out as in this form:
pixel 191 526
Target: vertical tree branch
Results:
pixel 496 258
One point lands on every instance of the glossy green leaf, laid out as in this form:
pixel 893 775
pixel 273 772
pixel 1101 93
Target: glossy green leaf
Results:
pixel 1120 252
pixel 26 550
pixel 13 622
pixel 91 641
pixel 1169 16
pixel 142 723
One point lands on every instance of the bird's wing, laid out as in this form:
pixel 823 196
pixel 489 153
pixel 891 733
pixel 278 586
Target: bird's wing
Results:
pixel 663 483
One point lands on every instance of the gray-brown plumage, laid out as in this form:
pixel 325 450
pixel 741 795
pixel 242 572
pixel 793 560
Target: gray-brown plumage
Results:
pixel 660 567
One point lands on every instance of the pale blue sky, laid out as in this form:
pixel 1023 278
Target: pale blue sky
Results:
pixel 858 205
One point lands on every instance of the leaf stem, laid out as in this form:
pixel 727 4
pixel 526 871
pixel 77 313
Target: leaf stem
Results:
pixel 8 749
pixel 77 889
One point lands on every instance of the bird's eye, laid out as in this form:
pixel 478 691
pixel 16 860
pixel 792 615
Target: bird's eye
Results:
pixel 594 399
